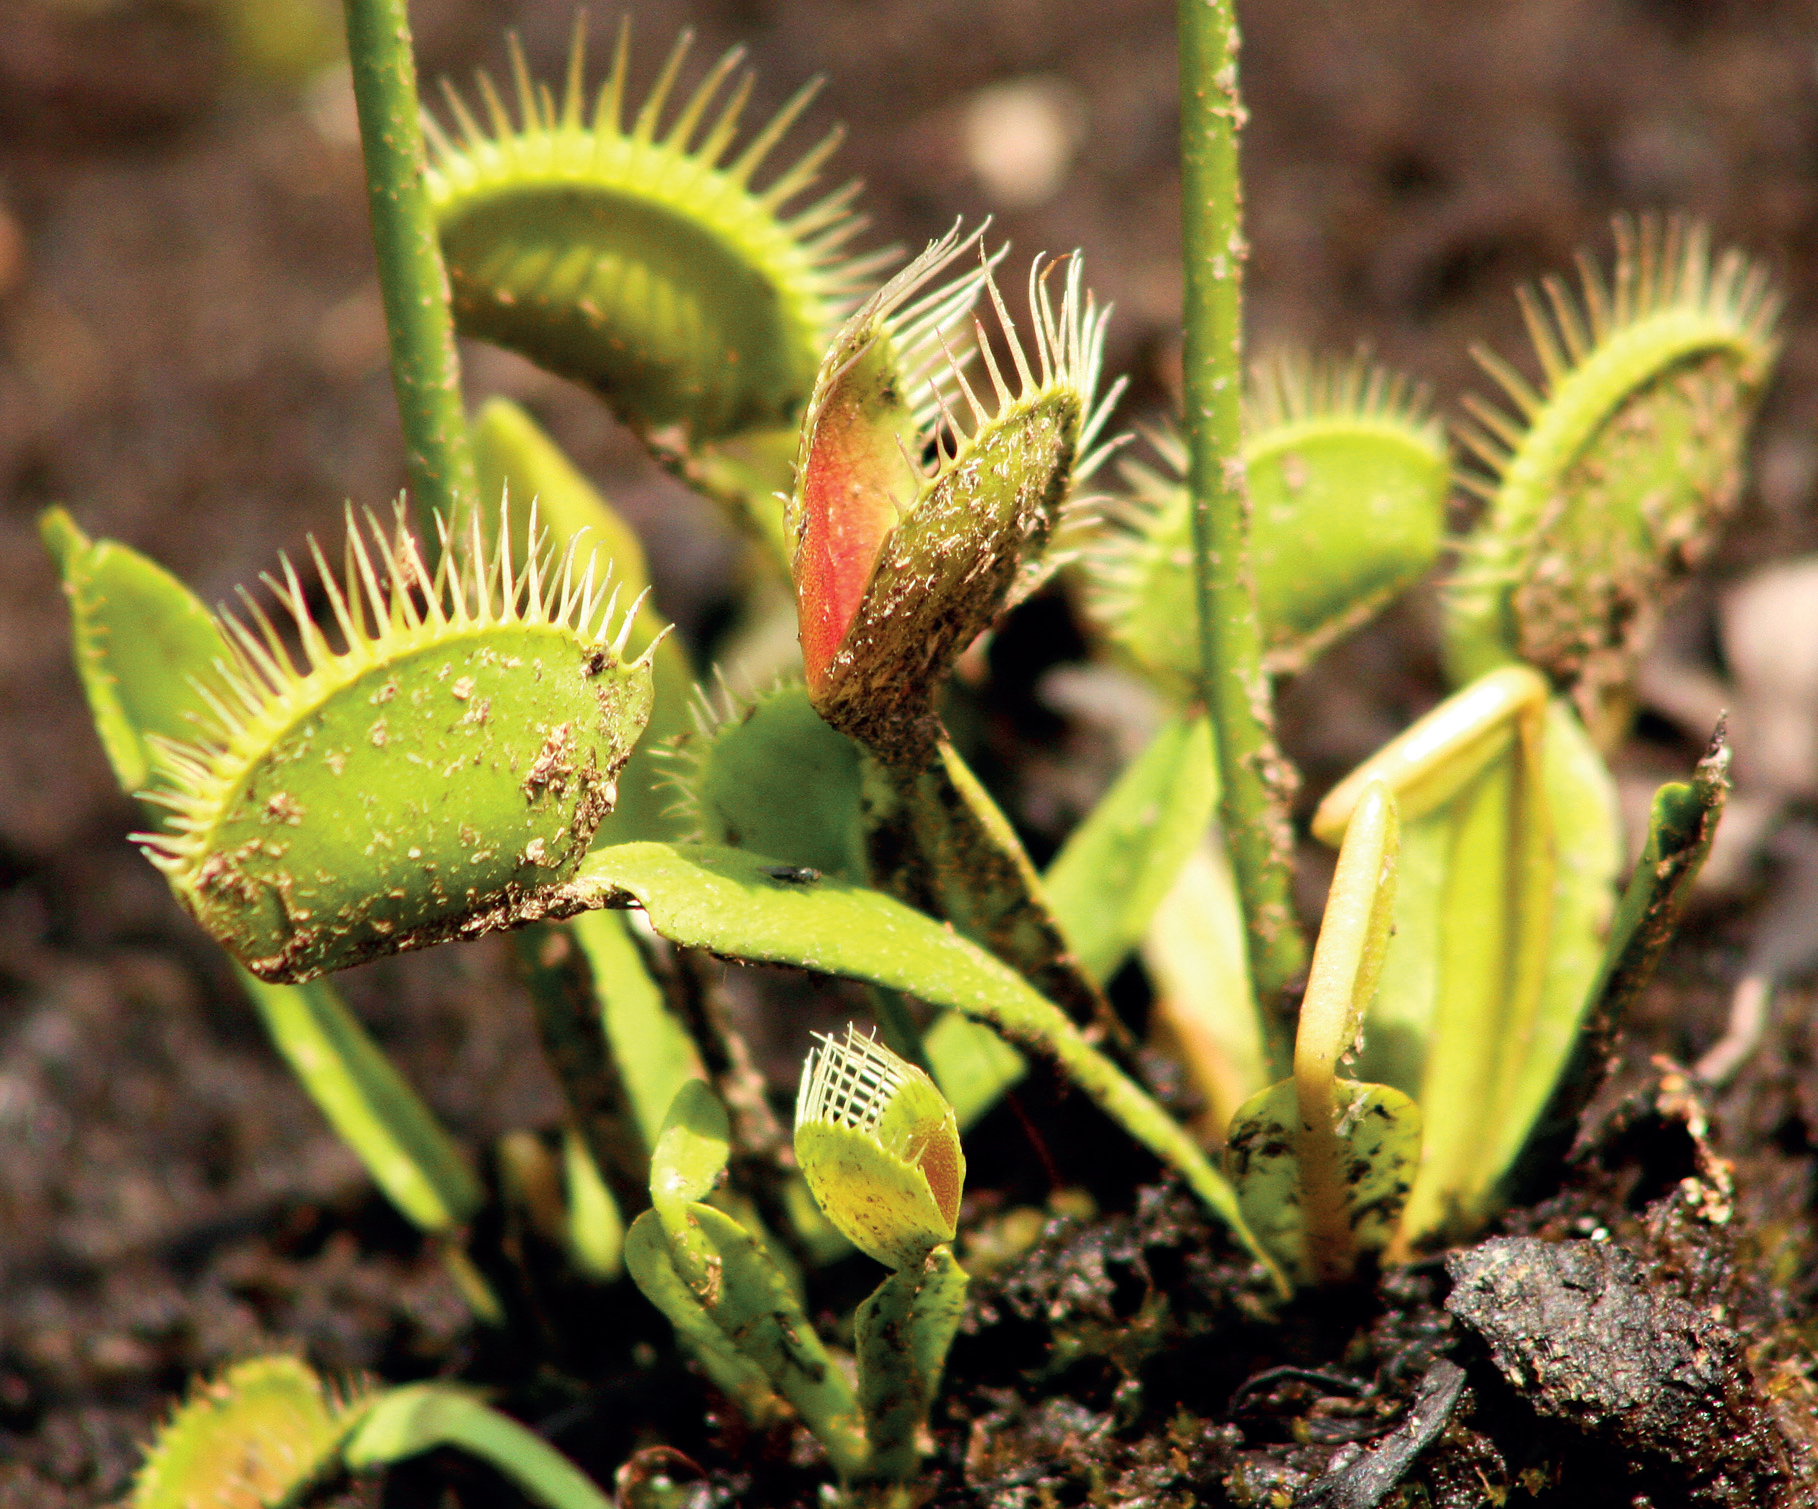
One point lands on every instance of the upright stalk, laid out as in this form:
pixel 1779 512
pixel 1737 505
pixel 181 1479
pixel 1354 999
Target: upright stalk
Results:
pixel 1255 779
pixel 425 371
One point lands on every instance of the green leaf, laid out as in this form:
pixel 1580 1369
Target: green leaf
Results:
pixel 1470 927
pixel 1612 483
pixel 1681 826
pixel 405 1149
pixel 419 1417
pixel 654 1054
pixel 1399 1024
pixel 1106 883
pixel 1196 960
pixel 1587 825
pixel 142 641
pixel 879 1145
pixel 904 1330
pixel 1380 1131
pixel 728 902
pixel 145 646
pixel 972 1065
pixel 756 1314
pixel 691 1152
pixel 1348 481
pixel 1347 962
pixel 595 1227
pixel 457 753
pixel 771 776
pixel 639 261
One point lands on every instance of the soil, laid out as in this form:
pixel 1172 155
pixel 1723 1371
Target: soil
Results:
pixel 192 359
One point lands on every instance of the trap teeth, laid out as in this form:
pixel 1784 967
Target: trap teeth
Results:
pixel 899 565
pixel 453 757
pixel 880 1149
pixel 1608 482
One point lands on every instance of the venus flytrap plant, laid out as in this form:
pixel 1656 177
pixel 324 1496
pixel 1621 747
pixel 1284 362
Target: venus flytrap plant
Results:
pixel 1348 475
pixel 259 1434
pixel 881 1151
pixel 732 903
pixel 267 1432
pixel 1613 479
pixel 148 653
pixel 725 1294
pixel 880 1148
pixel 1500 972
pixel 447 768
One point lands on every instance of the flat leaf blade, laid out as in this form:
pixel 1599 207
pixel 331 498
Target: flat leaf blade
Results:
pixel 904 1330
pixel 1380 1129
pixel 421 1416
pixel 1106 883
pixel 364 1098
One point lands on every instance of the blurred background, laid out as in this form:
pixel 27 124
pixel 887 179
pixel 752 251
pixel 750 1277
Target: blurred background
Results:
pixel 192 359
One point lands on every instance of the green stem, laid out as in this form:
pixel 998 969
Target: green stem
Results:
pixel 1255 779
pixel 425 370
pixel 938 842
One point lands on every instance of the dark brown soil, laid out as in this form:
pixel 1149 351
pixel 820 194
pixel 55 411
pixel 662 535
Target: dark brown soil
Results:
pixel 191 358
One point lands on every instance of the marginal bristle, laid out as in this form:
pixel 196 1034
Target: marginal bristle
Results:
pixel 1287 387
pixel 848 1083
pixel 386 603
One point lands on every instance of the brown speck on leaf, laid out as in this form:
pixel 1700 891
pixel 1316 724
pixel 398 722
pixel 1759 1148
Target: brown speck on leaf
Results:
pixel 462 689
pixel 379 734
pixel 554 764
pixel 282 807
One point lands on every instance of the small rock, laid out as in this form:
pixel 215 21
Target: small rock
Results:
pixel 1584 1334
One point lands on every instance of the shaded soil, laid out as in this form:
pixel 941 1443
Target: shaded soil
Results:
pixel 191 357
